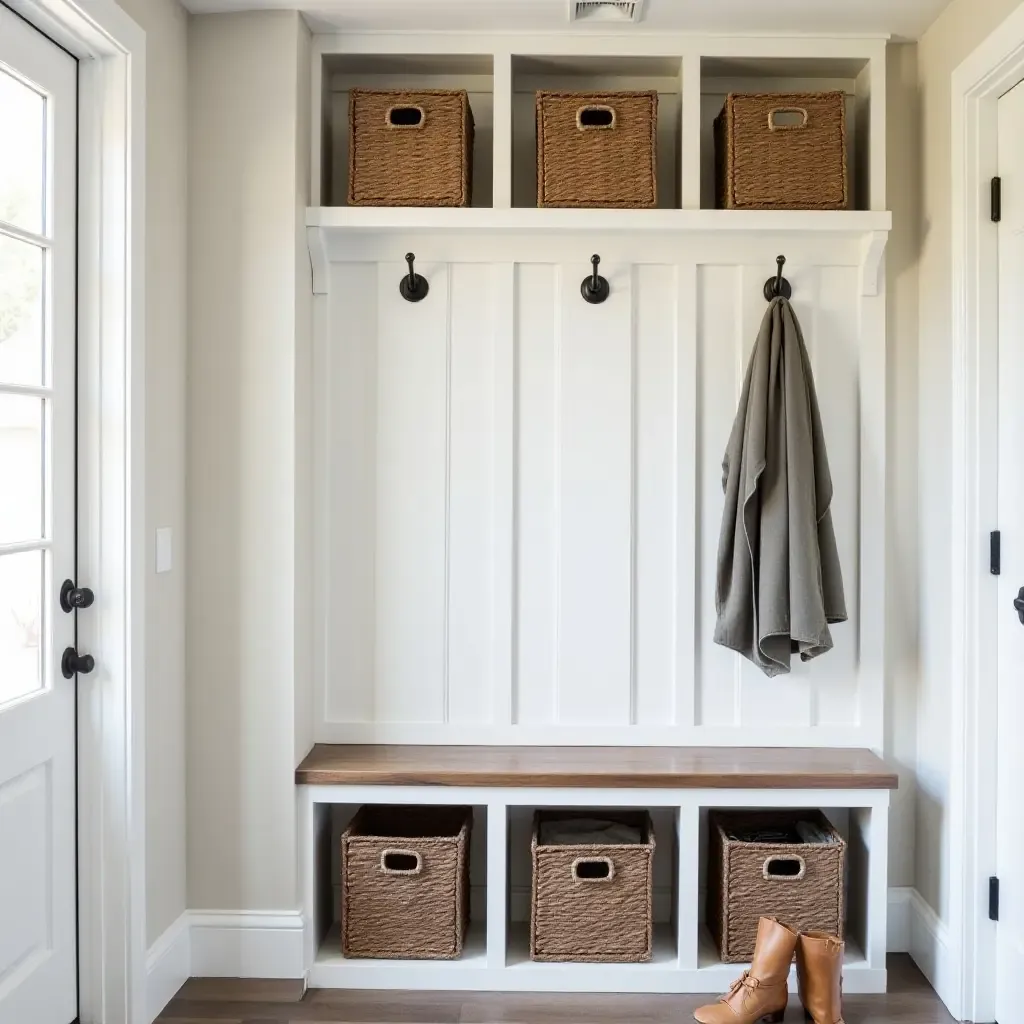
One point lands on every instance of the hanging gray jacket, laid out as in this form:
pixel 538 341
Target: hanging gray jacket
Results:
pixel 779 581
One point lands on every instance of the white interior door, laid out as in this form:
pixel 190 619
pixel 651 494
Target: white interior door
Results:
pixel 38 114
pixel 1010 842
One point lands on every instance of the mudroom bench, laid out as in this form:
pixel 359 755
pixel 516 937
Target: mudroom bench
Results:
pixel 505 785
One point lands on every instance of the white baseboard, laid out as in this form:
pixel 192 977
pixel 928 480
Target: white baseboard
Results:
pixel 168 966
pixel 247 944
pixel 254 944
pixel 897 936
pixel 223 944
pixel 930 947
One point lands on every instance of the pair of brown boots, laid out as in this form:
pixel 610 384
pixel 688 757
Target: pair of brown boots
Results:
pixel 763 991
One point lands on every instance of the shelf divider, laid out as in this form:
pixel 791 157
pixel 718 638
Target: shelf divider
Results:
pixel 497 884
pixel 688 886
pixel 502 185
pixel 689 135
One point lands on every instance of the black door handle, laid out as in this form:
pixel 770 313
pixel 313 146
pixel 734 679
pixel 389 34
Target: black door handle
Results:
pixel 72 662
pixel 1018 603
pixel 72 597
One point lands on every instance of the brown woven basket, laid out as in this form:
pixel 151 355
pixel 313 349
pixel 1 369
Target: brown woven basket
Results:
pixel 597 149
pixel 405 883
pixel 410 148
pixel 799 883
pixel 592 903
pixel 782 151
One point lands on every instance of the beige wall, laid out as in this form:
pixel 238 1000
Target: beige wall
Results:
pixel 903 173
pixel 249 300
pixel 248 442
pixel 947 43
pixel 166 24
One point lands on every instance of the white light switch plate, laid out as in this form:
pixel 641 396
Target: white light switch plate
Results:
pixel 163 549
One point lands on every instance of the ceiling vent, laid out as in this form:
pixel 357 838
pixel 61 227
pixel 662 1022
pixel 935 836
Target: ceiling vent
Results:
pixel 620 12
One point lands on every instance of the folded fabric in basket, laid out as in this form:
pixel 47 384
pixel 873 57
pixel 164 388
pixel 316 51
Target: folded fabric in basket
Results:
pixel 812 832
pixel 801 832
pixel 588 832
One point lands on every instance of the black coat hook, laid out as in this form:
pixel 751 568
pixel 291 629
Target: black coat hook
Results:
pixel 413 286
pixel 778 285
pixel 594 287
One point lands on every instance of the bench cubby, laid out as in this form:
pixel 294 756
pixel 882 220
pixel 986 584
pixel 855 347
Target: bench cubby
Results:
pixel 505 785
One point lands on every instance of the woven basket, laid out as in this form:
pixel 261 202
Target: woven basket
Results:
pixel 405 883
pixel 410 148
pixel 592 903
pixel 597 149
pixel 799 883
pixel 782 151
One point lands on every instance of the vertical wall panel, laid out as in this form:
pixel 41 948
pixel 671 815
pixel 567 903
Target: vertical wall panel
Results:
pixel 347 391
pixel 471 472
pixel 595 484
pixel 657 475
pixel 686 498
pixel 830 317
pixel 412 455
pixel 504 382
pixel 720 355
pixel 538 309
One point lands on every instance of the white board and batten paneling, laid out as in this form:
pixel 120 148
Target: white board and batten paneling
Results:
pixel 520 497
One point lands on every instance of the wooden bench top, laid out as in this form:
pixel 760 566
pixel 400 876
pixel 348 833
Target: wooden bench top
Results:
pixel 596 767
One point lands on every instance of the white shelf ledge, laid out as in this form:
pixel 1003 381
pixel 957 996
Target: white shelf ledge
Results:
pixel 471 972
pixel 418 218
pixel 383 234
pixel 663 957
pixel 332 969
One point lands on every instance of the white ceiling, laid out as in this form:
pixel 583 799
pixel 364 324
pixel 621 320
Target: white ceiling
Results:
pixel 906 19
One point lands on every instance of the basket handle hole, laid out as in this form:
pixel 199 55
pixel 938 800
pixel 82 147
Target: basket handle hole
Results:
pixel 595 117
pixel 787 117
pixel 405 117
pixel 594 869
pixel 784 867
pixel 401 862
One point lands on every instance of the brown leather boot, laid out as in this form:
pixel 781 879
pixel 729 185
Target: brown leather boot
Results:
pixel 819 972
pixel 761 994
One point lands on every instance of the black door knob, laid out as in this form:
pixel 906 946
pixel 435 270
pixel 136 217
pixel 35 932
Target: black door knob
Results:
pixel 1018 603
pixel 72 662
pixel 72 597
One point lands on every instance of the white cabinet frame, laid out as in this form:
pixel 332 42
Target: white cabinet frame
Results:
pixel 488 965
pixel 867 52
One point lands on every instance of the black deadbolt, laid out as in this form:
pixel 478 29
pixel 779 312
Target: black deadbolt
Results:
pixel 72 597
pixel 1018 603
pixel 72 662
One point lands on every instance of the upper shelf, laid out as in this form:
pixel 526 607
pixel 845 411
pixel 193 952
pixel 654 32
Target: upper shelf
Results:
pixel 854 237
pixel 516 220
pixel 692 76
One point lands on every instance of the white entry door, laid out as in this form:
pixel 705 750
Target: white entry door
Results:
pixel 1010 786
pixel 38 116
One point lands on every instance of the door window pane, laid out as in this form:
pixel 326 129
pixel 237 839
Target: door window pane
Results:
pixel 21 468
pixel 21 624
pixel 21 312
pixel 22 154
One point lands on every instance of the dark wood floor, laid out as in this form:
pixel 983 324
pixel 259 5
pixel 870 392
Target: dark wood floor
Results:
pixel 909 1001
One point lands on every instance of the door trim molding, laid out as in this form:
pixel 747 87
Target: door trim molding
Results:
pixel 991 70
pixel 111 49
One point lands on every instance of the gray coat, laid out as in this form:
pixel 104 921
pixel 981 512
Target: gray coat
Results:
pixel 779 580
